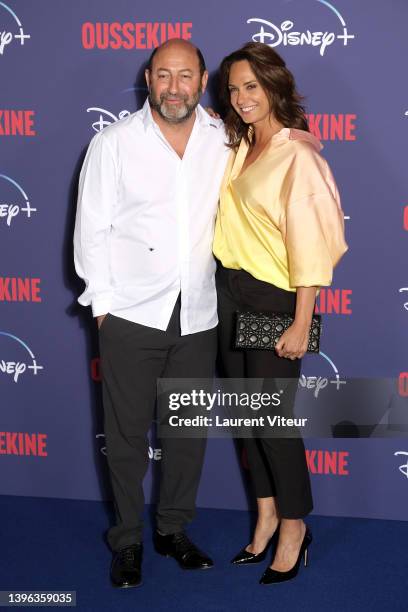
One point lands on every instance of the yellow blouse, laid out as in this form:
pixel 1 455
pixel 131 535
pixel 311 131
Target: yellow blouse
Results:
pixel 281 219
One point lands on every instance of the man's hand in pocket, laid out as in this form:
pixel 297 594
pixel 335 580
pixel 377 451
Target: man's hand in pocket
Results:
pixel 100 320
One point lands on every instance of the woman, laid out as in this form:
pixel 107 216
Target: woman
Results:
pixel 279 233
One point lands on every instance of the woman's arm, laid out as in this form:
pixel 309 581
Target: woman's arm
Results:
pixel 293 342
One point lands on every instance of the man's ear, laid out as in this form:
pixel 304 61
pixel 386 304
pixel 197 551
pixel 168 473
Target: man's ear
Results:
pixel 204 81
pixel 147 77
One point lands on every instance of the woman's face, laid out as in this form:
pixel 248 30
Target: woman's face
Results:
pixel 247 97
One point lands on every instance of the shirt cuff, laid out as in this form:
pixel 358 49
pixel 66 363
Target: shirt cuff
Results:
pixel 298 281
pixel 100 306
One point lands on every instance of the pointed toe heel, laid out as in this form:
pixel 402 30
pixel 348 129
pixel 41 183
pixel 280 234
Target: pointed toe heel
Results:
pixel 271 576
pixel 246 558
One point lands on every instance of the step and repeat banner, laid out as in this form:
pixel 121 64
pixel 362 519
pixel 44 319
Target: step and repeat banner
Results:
pixel 68 69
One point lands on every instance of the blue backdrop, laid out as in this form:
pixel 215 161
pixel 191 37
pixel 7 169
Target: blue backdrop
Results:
pixel 68 69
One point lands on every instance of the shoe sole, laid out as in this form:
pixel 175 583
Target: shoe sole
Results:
pixel 246 564
pixel 126 586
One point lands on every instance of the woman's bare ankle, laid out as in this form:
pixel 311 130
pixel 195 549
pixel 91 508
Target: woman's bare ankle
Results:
pixel 264 530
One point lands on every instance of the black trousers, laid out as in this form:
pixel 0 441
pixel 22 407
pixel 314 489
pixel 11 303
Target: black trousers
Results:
pixel 133 357
pixel 278 466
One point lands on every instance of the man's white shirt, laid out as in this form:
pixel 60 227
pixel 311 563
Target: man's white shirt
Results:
pixel 145 222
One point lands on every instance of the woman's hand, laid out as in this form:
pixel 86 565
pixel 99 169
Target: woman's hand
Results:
pixel 293 342
pixel 212 112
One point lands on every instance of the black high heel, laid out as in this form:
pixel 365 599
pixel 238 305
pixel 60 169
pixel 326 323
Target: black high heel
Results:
pixel 246 558
pixel 271 576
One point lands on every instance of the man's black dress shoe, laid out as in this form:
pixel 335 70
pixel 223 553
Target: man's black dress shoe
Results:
pixel 126 568
pixel 178 546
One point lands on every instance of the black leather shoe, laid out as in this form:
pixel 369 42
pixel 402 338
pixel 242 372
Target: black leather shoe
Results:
pixel 271 576
pixel 247 558
pixel 178 546
pixel 126 568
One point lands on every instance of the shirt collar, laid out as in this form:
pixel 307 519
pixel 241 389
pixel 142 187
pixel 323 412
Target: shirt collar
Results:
pixel 203 117
pixel 147 117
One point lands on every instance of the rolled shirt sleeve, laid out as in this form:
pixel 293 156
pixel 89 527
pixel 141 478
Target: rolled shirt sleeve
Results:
pixel 313 222
pixel 97 197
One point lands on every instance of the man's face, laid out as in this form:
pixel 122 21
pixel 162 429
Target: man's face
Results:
pixel 174 83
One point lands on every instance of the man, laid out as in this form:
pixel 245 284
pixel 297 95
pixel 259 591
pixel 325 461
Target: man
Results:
pixel 148 193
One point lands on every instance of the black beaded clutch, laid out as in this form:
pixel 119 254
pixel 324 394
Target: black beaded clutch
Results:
pixel 262 330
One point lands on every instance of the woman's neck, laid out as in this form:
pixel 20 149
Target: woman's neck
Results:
pixel 265 130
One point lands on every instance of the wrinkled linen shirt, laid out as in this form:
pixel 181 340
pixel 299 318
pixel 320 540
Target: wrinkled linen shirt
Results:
pixel 145 222
pixel 281 219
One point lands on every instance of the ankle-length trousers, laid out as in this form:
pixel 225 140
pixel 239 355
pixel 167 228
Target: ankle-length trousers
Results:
pixel 277 466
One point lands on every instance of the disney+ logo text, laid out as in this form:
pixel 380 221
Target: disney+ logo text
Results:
pixel 274 35
pixel 7 37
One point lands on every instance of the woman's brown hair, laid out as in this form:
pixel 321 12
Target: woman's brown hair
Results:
pixel 277 82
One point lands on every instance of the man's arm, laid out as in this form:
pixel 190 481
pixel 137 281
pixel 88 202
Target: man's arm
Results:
pixel 96 198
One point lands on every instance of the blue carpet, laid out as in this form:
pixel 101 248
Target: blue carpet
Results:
pixel 50 544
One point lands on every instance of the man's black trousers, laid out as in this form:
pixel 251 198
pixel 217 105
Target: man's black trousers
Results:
pixel 133 356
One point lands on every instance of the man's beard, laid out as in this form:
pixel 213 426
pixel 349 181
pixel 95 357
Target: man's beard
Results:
pixel 174 113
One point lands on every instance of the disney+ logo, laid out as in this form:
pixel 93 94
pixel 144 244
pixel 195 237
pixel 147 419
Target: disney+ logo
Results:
pixel 283 34
pixel 7 37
